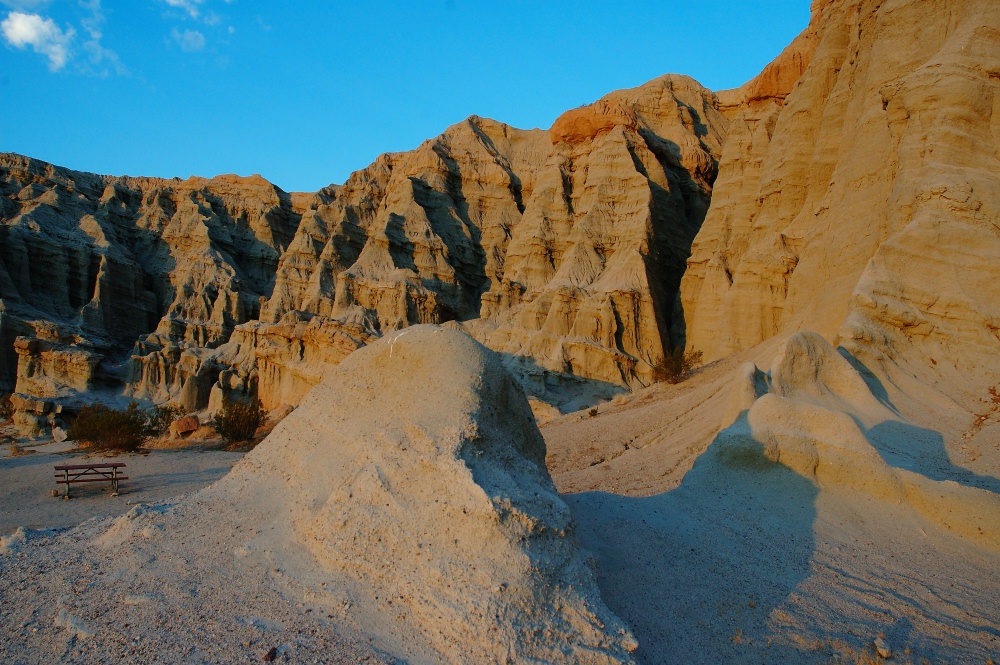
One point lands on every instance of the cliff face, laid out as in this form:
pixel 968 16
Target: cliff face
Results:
pixel 864 205
pixel 91 264
pixel 563 249
pixel 863 190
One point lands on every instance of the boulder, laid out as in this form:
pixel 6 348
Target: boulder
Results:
pixel 184 426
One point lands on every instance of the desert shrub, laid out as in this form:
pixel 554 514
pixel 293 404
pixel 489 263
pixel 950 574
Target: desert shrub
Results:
pixel 160 418
pixel 238 420
pixel 676 366
pixel 6 408
pixel 105 428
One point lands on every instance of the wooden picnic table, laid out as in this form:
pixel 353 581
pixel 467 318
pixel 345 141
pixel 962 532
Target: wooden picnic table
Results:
pixel 90 473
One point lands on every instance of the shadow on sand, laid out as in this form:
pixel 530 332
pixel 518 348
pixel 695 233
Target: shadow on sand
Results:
pixel 698 571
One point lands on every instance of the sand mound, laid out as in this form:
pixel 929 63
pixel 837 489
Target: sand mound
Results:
pixel 813 413
pixel 409 492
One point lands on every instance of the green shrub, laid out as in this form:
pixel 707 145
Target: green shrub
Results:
pixel 110 429
pixel 161 418
pixel 6 408
pixel 238 420
pixel 676 366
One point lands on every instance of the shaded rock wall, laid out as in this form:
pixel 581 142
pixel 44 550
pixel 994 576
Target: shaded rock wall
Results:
pixel 95 263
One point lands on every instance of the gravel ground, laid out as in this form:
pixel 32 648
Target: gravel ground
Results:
pixel 73 596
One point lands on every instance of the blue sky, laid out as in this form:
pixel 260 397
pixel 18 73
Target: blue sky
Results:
pixel 306 92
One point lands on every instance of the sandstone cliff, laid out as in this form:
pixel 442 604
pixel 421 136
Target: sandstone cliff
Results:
pixel 91 264
pixel 861 201
pixel 874 129
pixel 563 249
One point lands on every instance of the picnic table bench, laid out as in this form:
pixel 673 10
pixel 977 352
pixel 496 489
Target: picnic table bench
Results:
pixel 90 473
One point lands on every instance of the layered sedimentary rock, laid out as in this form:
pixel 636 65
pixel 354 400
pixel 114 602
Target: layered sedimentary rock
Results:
pixel 90 264
pixel 864 206
pixel 812 412
pixel 561 249
pixel 863 190
pixel 282 361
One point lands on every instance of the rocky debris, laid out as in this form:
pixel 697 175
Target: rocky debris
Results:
pixel 882 649
pixel 430 514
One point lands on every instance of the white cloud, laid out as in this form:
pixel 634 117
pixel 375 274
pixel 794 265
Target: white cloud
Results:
pixel 41 34
pixel 190 6
pixel 189 40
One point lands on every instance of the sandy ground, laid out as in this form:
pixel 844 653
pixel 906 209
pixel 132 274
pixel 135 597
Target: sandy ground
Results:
pixel 71 596
pixel 27 481
pixel 711 562
pixel 707 559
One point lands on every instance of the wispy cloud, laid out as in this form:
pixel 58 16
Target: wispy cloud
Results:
pixel 188 40
pixel 101 58
pixel 24 5
pixel 189 6
pixel 21 30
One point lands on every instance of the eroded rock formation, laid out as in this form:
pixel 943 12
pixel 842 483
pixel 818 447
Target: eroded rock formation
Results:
pixel 860 200
pixel 562 249
pixel 859 184
pixel 91 264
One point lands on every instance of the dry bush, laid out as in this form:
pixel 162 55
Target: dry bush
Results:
pixel 676 366
pixel 238 420
pixel 161 418
pixel 105 428
pixel 6 408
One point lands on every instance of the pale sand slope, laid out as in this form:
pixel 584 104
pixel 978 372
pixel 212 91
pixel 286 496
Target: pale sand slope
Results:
pixel 786 536
pixel 405 503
